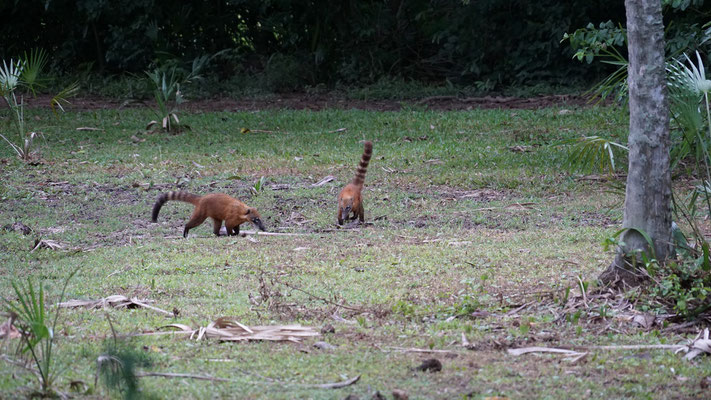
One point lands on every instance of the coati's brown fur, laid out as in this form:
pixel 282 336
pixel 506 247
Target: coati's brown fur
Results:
pixel 220 207
pixel 350 199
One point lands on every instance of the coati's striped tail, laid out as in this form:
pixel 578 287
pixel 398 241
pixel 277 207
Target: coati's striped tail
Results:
pixel 363 165
pixel 179 196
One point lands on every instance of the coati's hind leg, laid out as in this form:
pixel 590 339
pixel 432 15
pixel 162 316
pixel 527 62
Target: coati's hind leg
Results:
pixel 216 225
pixel 196 220
pixel 360 213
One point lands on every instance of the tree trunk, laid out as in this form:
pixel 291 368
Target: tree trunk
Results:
pixel 648 194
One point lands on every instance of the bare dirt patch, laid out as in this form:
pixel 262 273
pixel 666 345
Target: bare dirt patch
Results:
pixel 316 102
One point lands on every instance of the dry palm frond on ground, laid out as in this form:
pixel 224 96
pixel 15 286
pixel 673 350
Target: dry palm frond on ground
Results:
pixel 228 329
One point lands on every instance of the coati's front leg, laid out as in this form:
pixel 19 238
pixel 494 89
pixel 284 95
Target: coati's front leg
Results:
pixel 232 231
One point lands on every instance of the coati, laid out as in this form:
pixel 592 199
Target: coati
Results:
pixel 350 198
pixel 220 207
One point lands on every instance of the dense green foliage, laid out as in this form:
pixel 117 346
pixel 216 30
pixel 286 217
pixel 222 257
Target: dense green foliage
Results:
pixel 295 42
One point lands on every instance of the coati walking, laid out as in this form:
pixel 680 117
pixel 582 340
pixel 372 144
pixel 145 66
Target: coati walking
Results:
pixel 220 207
pixel 350 198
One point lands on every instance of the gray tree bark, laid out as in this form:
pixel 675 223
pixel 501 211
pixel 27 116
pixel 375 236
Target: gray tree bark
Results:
pixel 648 193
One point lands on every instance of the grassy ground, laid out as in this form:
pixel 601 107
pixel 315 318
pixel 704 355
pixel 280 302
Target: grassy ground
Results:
pixel 467 212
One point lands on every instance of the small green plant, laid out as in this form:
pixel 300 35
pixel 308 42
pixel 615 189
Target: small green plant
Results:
pixel 37 328
pixel 117 367
pixel 166 81
pixel 25 72
pixel 683 287
pixel 404 308
pixel 9 82
pixel 259 185
pixel 470 299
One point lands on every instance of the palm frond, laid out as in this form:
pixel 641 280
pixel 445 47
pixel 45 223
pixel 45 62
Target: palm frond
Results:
pixel 593 153
pixel 10 76
pixel 34 63
pixel 60 98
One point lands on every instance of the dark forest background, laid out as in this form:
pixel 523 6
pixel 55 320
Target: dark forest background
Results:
pixel 294 44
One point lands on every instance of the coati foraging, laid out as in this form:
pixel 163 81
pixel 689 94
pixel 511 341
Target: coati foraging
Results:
pixel 220 207
pixel 350 198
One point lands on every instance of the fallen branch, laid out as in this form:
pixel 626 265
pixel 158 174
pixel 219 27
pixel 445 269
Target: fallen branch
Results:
pixel 514 311
pixel 701 344
pixel 258 233
pixel 526 350
pixel 271 381
pixel 185 376
pixel 630 347
pixel 425 351
pixel 510 206
pixel 334 385
pixel 324 181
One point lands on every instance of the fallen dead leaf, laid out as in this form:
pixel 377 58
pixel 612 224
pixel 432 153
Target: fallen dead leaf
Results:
pixel 699 345
pixel 571 355
pixel 644 320
pixel 47 244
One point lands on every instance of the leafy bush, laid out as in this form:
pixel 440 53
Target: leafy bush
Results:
pixel 683 287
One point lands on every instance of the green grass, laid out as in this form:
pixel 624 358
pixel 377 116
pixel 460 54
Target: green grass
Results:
pixel 447 236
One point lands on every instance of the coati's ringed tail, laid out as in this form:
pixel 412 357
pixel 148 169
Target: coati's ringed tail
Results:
pixel 179 196
pixel 362 169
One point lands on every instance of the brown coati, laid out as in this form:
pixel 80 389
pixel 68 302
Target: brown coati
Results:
pixel 350 198
pixel 220 207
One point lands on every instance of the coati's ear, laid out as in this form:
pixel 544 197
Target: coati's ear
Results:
pixel 249 210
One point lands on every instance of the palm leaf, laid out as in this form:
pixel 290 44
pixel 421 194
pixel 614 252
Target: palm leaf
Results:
pixel 61 98
pixel 593 153
pixel 34 63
